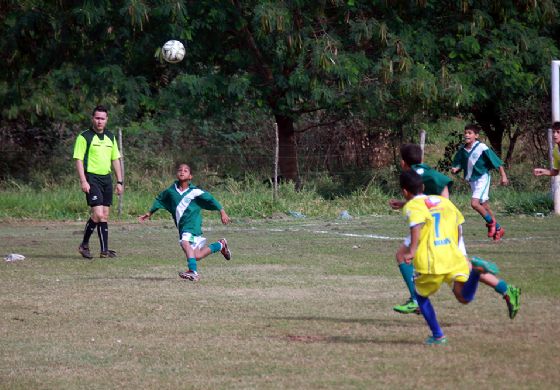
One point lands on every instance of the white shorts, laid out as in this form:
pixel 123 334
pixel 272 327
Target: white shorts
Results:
pixel 481 188
pixel 197 242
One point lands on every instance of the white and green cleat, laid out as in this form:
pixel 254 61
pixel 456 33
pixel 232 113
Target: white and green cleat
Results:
pixel 436 341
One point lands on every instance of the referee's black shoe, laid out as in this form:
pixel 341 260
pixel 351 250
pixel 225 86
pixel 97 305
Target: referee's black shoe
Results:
pixel 84 251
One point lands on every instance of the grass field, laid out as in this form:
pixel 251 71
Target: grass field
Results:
pixel 303 304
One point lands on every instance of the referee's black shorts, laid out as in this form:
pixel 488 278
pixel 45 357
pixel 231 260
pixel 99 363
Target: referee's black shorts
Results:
pixel 100 190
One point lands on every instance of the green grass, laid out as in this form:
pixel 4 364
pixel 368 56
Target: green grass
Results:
pixel 303 304
pixel 249 198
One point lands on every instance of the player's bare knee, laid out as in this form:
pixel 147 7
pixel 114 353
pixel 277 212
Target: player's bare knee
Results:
pixel 97 217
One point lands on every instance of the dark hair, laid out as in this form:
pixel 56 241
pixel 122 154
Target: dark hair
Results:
pixel 473 127
pixel 556 126
pixel 100 109
pixel 412 182
pixel 178 165
pixel 411 154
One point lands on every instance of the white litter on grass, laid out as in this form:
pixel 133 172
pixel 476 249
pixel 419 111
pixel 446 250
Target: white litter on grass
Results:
pixel 14 257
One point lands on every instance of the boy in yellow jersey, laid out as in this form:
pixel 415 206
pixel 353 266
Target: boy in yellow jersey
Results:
pixel 436 183
pixel 555 154
pixel 435 229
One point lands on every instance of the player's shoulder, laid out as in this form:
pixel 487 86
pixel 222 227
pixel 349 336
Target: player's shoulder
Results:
pixel 422 169
pixel 109 134
pixel 432 201
pixel 416 203
pixel 482 146
pixel 87 133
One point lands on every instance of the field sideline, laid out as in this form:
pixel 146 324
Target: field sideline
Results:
pixel 303 304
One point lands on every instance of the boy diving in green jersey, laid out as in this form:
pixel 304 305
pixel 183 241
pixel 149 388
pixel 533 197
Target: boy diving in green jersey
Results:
pixel 436 183
pixel 185 202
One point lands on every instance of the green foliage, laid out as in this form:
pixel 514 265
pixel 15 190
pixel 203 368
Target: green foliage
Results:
pixel 393 65
pixel 529 203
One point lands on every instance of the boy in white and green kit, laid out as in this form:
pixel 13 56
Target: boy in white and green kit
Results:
pixel 476 160
pixel 185 203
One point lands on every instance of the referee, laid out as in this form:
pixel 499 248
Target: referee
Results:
pixel 95 151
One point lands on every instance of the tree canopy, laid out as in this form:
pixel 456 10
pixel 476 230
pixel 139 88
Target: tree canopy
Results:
pixel 301 63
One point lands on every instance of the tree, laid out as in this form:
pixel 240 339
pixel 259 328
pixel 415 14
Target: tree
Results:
pixel 501 52
pixel 304 60
pixel 304 64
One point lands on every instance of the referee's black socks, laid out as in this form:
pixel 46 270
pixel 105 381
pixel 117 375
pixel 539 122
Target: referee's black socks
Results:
pixel 88 231
pixel 103 233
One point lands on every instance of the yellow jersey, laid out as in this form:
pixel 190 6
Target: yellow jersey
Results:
pixel 438 248
pixel 556 157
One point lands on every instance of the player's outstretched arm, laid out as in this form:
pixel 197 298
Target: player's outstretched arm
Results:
pixel 545 172
pixel 396 204
pixel 503 177
pixel 144 217
pixel 224 217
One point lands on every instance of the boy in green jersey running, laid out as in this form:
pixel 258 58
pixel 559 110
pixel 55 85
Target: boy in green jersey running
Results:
pixel 185 202
pixel 476 160
pixel 436 183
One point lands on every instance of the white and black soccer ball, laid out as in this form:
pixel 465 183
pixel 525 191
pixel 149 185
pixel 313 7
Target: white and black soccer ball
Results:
pixel 173 51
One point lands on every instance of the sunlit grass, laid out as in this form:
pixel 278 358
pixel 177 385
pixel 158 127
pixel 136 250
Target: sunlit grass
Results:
pixel 303 304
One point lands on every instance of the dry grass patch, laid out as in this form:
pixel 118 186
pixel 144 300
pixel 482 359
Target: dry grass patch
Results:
pixel 291 310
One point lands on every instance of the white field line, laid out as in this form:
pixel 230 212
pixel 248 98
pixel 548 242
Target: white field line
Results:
pixel 357 235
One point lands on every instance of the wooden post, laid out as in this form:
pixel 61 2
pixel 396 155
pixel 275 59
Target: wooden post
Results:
pixel 555 96
pixel 422 141
pixel 276 158
pixel 119 209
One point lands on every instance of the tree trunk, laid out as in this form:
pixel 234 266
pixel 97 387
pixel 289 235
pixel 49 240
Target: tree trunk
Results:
pixel 512 142
pixel 287 161
pixel 490 122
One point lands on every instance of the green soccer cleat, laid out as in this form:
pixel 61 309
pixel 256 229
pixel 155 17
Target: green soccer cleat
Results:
pixel 484 267
pixel 407 308
pixel 513 300
pixel 433 341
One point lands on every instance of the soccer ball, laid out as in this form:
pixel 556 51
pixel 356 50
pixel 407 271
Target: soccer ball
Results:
pixel 173 51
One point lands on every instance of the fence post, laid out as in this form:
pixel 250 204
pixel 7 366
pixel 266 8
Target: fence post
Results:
pixel 276 154
pixel 119 209
pixel 555 96
pixel 422 141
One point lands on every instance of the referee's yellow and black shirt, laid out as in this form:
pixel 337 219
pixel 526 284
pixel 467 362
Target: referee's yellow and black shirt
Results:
pixel 98 153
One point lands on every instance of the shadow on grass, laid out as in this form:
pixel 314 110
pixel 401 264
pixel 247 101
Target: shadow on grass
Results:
pixel 362 321
pixel 307 339
pixel 137 278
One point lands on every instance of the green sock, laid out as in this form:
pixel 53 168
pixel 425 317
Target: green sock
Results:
pixel 191 264
pixel 215 247
pixel 407 271
pixel 501 287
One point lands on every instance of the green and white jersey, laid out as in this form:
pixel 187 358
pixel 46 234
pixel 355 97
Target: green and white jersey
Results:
pixel 477 161
pixel 186 207
pixel 434 181
pixel 97 151
pixel 556 157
